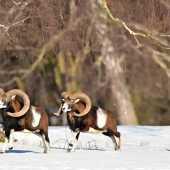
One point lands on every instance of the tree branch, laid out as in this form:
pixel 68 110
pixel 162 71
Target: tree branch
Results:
pixel 40 57
pixel 132 32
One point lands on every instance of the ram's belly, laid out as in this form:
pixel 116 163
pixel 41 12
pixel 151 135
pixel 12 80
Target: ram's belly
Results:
pixel 91 130
pixel 28 131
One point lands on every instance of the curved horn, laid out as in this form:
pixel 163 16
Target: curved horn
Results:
pixel 25 98
pixel 87 101
pixel 64 95
pixel 1 91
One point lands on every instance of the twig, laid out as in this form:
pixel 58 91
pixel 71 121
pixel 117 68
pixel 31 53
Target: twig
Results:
pixel 7 27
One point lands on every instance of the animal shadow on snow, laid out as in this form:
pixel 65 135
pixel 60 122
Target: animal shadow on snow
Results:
pixel 20 151
pixel 167 150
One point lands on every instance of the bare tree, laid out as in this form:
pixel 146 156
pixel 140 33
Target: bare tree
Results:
pixel 120 95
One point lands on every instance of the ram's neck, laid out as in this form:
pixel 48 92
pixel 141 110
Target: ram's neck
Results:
pixel 80 107
pixel 16 105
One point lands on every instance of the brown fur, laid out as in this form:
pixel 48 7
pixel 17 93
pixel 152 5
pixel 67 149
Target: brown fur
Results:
pixel 71 117
pixel 26 119
pixel 16 105
pixel 110 122
pixel 80 107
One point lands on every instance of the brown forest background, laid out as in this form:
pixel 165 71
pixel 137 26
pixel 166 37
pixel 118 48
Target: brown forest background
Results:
pixel 51 46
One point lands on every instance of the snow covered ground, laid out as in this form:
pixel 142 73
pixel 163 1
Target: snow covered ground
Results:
pixel 143 147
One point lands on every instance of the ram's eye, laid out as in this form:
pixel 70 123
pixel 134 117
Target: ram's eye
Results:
pixel 72 101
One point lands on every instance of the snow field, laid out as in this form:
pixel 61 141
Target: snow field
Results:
pixel 143 148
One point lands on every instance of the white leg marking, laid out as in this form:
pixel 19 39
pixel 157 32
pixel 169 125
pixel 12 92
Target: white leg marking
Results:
pixel 35 117
pixel 74 146
pixel 11 139
pixel 4 147
pixel 46 145
pixel 101 118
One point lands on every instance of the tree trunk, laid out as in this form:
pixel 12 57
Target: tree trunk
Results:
pixel 120 94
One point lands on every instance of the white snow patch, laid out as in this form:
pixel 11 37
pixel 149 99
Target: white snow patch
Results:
pixel 143 148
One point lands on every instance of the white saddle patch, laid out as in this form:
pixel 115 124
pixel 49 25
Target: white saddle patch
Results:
pixel 101 118
pixel 35 117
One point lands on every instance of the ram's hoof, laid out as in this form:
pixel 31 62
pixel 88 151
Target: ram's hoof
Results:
pixel 69 151
pixel 10 148
pixel 2 152
pixel 116 149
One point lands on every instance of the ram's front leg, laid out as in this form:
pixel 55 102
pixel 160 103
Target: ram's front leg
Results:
pixel 11 140
pixel 7 134
pixel 4 147
pixel 71 142
pixel 75 139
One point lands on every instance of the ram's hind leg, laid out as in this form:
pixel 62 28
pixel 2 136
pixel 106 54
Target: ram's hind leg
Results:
pixel 44 141
pixel 112 135
pixel 114 142
pixel 118 135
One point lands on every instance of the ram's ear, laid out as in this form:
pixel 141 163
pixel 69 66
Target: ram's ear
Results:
pixel 77 100
pixel 13 97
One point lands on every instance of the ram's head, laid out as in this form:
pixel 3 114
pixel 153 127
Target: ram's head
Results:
pixel 6 98
pixel 68 103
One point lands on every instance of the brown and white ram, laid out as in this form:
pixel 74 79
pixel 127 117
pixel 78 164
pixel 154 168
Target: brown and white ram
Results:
pixel 22 117
pixel 82 117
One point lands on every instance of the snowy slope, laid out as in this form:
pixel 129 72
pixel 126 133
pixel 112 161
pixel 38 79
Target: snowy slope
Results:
pixel 143 147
